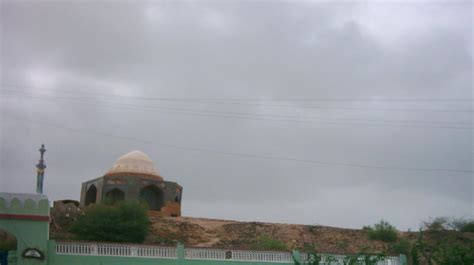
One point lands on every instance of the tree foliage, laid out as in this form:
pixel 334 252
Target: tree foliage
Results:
pixel 468 227
pixel 437 224
pixel 443 223
pixel 402 246
pixel 123 222
pixel 443 248
pixel 382 231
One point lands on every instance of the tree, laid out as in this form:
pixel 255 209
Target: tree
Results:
pixel 382 231
pixel 443 248
pixel 468 227
pixel 436 225
pixel 123 222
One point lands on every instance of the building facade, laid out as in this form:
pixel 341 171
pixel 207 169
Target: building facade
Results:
pixel 134 178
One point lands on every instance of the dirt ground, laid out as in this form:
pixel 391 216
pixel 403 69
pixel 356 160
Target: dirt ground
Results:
pixel 228 234
pixel 203 232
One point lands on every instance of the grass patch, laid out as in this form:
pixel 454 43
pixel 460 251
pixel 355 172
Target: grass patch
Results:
pixel 268 243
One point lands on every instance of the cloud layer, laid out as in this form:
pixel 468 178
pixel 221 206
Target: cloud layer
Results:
pixel 197 84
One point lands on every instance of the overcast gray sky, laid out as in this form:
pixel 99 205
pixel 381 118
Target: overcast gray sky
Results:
pixel 338 113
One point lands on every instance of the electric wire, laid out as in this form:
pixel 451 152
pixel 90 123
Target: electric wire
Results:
pixel 238 154
pixel 253 99
pixel 264 117
pixel 263 103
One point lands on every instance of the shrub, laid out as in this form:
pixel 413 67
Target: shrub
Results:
pixel 123 222
pixel 443 224
pixel 462 224
pixel 436 225
pixel 457 224
pixel 468 227
pixel 448 249
pixel 382 231
pixel 454 254
pixel 314 228
pixel 268 243
pixel 401 247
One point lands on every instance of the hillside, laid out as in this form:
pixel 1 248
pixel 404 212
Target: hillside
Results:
pixel 228 234
pixel 203 232
pixel 213 233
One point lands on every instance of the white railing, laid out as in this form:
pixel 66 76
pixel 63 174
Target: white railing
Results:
pixel 391 261
pixel 267 256
pixel 100 249
pixel 241 255
pixel 198 253
pixel 124 250
pixel 151 251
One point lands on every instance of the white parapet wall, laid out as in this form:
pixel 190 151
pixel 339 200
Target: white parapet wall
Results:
pixel 192 253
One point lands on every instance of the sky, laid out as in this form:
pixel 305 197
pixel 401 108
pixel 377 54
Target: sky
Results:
pixel 335 113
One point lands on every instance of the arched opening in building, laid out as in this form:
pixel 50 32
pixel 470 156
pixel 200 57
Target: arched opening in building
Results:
pixel 91 195
pixel 153 196
pixel 115 195
pixel 8 246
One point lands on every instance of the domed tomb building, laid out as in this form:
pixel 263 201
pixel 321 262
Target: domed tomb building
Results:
pixel 134 178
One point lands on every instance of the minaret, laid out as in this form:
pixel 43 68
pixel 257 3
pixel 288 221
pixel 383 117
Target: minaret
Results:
pixel 40 169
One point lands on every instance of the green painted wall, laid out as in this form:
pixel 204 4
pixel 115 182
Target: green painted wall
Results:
pixel 29 234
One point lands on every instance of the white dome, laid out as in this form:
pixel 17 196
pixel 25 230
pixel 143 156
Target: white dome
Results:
pixel 134 162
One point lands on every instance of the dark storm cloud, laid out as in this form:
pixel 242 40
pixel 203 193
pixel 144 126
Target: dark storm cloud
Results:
pixel 242 50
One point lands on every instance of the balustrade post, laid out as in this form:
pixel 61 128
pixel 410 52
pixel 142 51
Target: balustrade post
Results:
pixel 403 259
pixel 134 251
pixel 94 250
pixel 180 251
pixel 180 254
pixel 296 256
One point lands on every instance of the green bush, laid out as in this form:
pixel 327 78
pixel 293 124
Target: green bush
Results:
pixel 267 243
pixel 444 224
pixel 454 254
pixel 123 222
pixel 436 225
pixel 447 248
pixel 401 247
pixel 382 231
pixel 468 227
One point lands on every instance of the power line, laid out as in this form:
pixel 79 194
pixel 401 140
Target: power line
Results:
pixel 278 105
pixel 266 157
pixel 278 100
pixel 253 116
pixel 242 113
